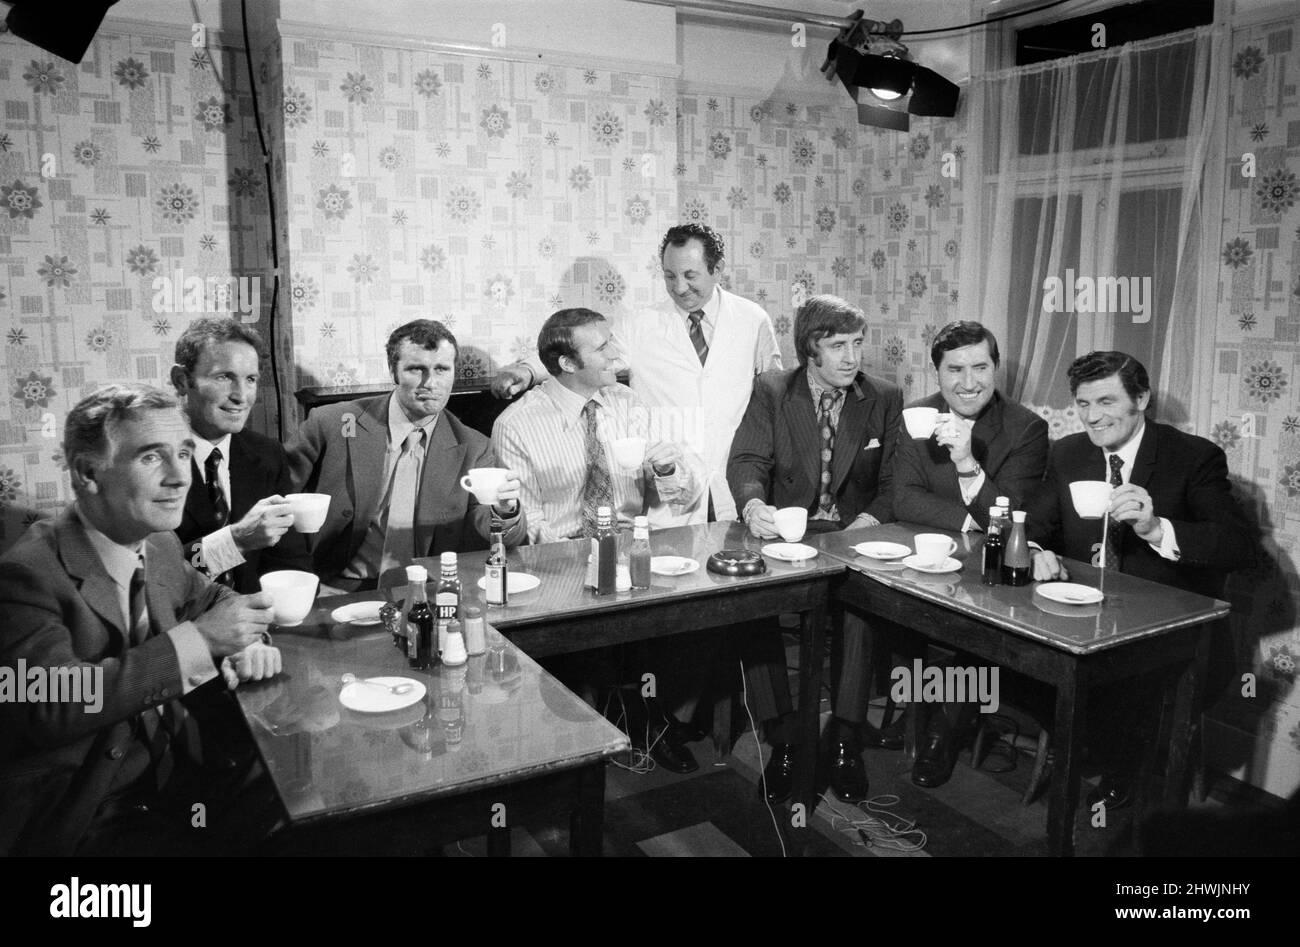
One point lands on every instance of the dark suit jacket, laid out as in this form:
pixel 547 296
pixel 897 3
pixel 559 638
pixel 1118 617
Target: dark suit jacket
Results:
pixel 1008 440
pixel 258 469
pixel 776 453
pixel 57 761
pixel 340 450
pixel 1187 477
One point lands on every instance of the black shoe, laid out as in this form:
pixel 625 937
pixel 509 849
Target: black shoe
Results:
pixel 848 775
pixel 934 763
pixel 888 738
pixel 686 732
pixel 671 754
pixel 778 775
pixel 1115 792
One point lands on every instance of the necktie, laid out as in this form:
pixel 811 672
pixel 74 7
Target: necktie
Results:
pixel 160 725
pixel 598 488
pixel 216 498
pixel 139 624
pixel 1114 534
pixel 399 535
pixel 697 335
pixel 826 502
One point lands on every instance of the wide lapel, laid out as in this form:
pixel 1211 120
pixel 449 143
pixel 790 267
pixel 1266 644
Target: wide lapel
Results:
pixel 859 401
pixel 677 339
pixel 988 432
pixel 444 457
pixel 244 481
pixel 162 586
pixel 83 564
pixel 366 454
pixel 1144 464
pixel 800 420
pixel 197 519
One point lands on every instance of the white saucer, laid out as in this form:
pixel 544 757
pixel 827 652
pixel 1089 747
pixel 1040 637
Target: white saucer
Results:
pixel 1070 593
pixel 366 699
pixel 789 552
pixel 516 583
pixel 948 565
pixel 358 613
pixel 673 565
pixel 883 551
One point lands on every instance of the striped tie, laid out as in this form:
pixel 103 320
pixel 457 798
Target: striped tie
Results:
pixel 598 488
pixel 697 335
pixel 1115 531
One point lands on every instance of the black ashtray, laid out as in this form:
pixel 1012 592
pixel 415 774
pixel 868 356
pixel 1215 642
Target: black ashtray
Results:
pixel 736 562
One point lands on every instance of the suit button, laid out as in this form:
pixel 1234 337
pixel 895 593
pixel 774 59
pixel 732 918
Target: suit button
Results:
pixel 115 753
pixel 347 514
pixel 165 692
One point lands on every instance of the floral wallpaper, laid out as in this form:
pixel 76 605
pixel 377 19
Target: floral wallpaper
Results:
pixel 485 193
pixel 1255 400
pixel 139 163
pixel 809 202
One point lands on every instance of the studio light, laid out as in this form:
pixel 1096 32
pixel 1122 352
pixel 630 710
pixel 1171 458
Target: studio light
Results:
pixel 64 29
pixel 876 69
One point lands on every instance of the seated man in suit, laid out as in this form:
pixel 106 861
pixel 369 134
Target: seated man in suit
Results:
pixel 992 447
pixel 102 592
pixel 820 437
pixel 393 464
pixel 1172 515
pixel 236 519
pixel 561 437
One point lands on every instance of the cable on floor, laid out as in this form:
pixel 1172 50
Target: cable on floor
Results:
pixel 870 824
pixel 762 770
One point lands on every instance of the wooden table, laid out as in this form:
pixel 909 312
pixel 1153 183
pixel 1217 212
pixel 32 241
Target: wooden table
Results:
pixel 1141 626
pixel 481 751
pixel 562 615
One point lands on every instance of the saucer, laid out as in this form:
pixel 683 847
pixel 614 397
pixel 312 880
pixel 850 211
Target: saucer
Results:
pixel 358 613
pixel 789 552
pixel 516 583
pixel 364 698
pixel 1070 593
pixel 673 565
pixel 948 565
pixel 882 551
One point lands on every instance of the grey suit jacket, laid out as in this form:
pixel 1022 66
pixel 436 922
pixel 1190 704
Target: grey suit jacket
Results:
pixel 340 450
pixel 58 761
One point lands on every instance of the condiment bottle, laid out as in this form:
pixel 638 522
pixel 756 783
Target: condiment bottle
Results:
pixel 639 554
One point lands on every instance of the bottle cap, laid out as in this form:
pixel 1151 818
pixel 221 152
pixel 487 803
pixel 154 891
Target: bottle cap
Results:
pixel 448 559
pixel 641 522
pixel 995 512
pixel 604 511
pixel 473 611
pixel 1004 502
pixel 417 574
pixel 1018 516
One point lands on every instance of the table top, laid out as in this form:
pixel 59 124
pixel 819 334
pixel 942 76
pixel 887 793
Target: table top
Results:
pixel 562 569
pixel 499 718
pixel 1133 608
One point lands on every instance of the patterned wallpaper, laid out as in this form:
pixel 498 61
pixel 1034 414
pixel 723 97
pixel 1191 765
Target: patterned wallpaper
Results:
pixel 1255 401
pixel 137 164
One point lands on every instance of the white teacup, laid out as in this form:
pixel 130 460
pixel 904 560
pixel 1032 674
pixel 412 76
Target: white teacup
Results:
pixel 1091 498
pixel 294 593
pixel 933 548
pixel 484 482
pixel 920 421
pixel 791 521
pixel 629 452
pixel 309 510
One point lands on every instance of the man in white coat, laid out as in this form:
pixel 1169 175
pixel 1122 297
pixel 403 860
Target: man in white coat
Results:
pixel 692 360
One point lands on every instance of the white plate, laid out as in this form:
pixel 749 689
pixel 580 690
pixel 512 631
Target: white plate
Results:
pixel 516 582
pixel 1070 593
pixel 358 613
pixel 367 699
pixel 882 551
pixel 673 565
pixel 948 565
pixel 789 552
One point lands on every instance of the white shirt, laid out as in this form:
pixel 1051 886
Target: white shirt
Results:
pixel 1168 547
pixel 218 549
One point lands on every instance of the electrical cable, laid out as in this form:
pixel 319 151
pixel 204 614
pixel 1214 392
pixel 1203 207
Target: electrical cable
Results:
pixel 874 829
pixel 994 19
pixel 762 770
pixel 275 242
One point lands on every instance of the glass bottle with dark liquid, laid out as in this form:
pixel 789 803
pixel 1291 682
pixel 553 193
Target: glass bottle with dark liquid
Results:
pixel 606 549
pixel 419 621
pixel 446 597
pixel 639 554
pixel 1016 569
pixel 496 572
pixel 992 574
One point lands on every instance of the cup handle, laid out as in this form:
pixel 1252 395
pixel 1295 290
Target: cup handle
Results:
pixel 464 483
pixel 952 546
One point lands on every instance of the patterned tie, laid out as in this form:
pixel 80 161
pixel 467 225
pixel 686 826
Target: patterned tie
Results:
pixel 216 498
pixel 399 536
pixel 825 501
pixel 1114 533
pixel 139 626
pixel 598 488
pixel 697 335
pixel 160 725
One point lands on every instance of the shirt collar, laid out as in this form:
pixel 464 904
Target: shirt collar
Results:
pixel 119 561
pixel 569 403
pixel 203 447
pixel 710 308
pixel 817 388
pixel 399 426
pixel 1128 453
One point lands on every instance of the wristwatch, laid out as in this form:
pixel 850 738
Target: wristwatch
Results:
pixel 973 473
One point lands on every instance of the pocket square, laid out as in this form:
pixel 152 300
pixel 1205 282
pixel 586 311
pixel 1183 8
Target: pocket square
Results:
pixel 874 443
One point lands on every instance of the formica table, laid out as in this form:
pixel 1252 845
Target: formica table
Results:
pixel 1139 627
pixel 562 615
pixel 488 746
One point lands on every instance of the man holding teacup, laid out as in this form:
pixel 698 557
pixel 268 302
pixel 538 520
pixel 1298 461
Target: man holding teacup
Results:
pixel 819 437
pixel 1172 515
pixel 393 465
pixel 236 515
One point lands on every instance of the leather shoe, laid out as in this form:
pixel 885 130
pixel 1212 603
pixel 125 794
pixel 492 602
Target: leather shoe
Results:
pixel 778 775
pixel 848 775
pixel 671 754
pixel 888 738
pixel 1114 792
pixel 935 761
